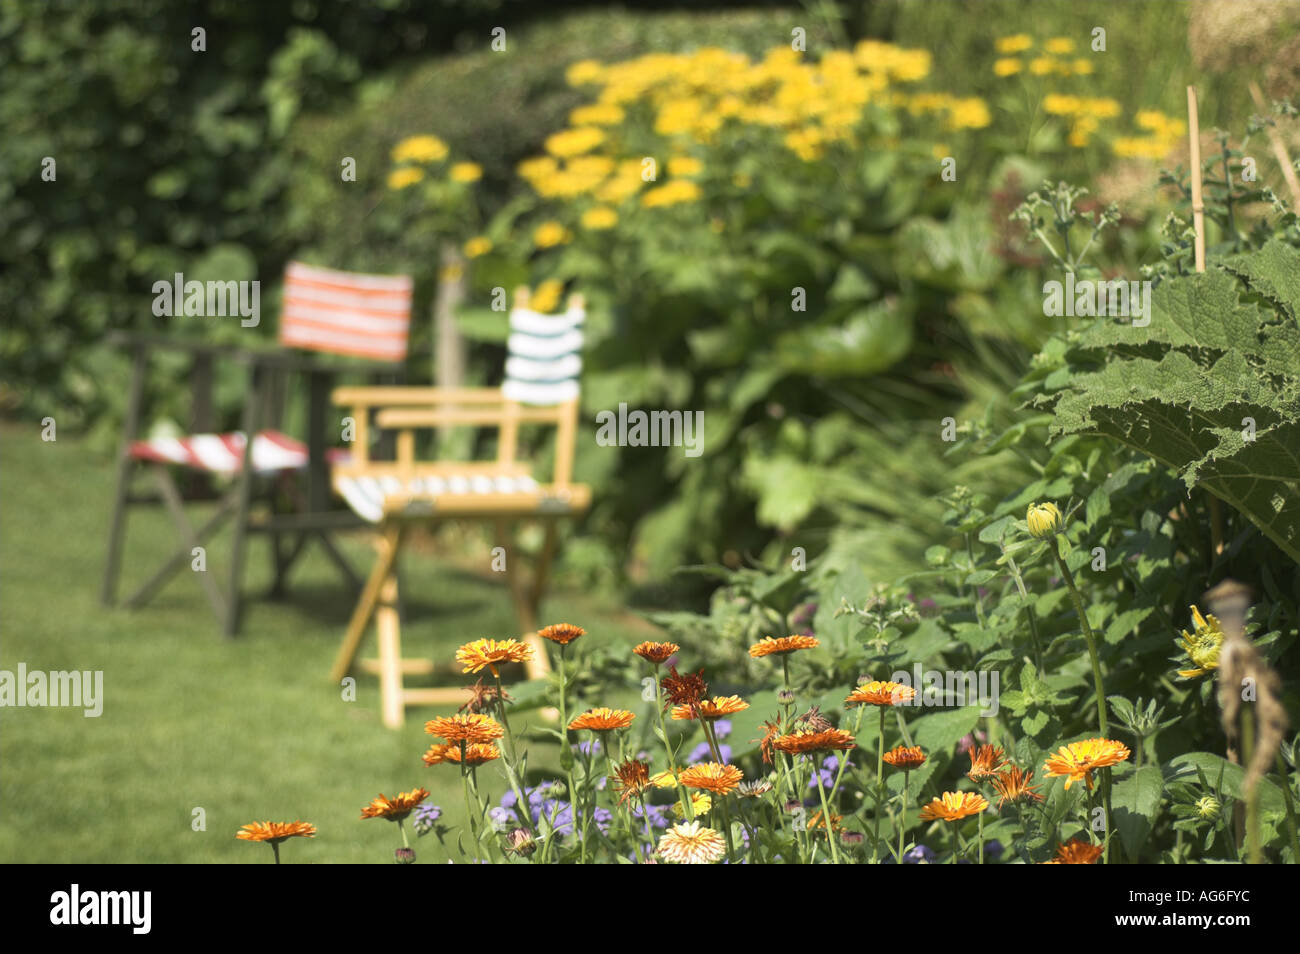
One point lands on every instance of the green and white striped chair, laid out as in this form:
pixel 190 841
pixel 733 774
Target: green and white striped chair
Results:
pixel 541 387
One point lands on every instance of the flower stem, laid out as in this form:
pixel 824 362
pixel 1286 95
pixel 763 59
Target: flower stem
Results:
pixel 1100 690
pixel 827 822
pixel 902 815
pixel 880 788
pixel 525 815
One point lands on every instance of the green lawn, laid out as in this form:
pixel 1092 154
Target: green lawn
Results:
pixel 246 730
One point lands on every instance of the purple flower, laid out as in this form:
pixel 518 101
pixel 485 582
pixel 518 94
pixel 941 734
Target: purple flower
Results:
pixel 994 849
pixel 426 816
pixel 920 855
pixel 702 753
pixel 722 729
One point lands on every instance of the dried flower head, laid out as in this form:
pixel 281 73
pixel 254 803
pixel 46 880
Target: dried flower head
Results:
pixel 985 760
pixel 755 788
pixel 484 696
pixel 813 721
pixel 684 690
pixel 631 778
pixel 1013 785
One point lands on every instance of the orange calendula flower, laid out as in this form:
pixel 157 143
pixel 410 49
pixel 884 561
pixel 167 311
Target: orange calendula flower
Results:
pixel 476 753
pixel 816 821
pixel 1076 851
pixel 466 727
pixel 1078 760
pixel 954 806
pixel 603 719
pixel 781 645
pixel 1014 785
pixel 489 652
pixel 716 708
pixel 798 743
pixel 712 777
pixel 562 633
pixel 876 693
pixel 657 653
pixel 985 760
pixel 394 809
pixel 275 832
pixel 905 757
pixel 692 844
pixel 631 779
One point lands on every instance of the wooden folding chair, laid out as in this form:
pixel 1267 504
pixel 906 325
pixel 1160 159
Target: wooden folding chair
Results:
pixel 540 388
pixel 324 310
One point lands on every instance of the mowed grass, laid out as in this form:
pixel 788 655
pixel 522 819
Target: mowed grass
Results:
pixel 246 730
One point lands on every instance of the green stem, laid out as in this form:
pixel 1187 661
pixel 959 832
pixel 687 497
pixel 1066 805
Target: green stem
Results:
pixel 1102 723
pixel 981 854
pixel 275 846
pixel 827 822
pixel 525 815
pixel 880 788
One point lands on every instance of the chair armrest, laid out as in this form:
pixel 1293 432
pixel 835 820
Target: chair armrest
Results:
pixel 367 397
pixel 165 343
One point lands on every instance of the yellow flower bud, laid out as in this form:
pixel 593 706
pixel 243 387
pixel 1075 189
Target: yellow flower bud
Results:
pixel 1044 520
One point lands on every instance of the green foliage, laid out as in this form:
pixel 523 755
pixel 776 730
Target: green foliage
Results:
pixel 1210 388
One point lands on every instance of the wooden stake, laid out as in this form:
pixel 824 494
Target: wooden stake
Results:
pixel 1279 147
pixel 1198 205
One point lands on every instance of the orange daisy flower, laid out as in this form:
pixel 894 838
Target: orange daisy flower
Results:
pixel 985 760
pixel 876 693
pixel 657 653
pixel 275 832
pixel 394 809
pixel 476 753
pixel 797 743
pixel 462 727
pixel 816 821
pixel 905 757
pixel 782 645
pixel 1078 760
pixel 631 779
pixel 954 806
pixel 715 708
pixel 489 652
pixel 712 777
pixel 562 633
pixel 603 719
pixel 1076 851
pixel 1013 786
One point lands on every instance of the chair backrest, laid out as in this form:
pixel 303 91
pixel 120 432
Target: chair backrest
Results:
pixel 349 313
pixel 544 353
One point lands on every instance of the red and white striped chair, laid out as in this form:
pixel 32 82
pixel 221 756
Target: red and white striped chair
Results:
pixel 323 310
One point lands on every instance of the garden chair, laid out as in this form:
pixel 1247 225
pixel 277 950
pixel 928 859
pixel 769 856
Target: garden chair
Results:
pixel 323 310
pixel 540 388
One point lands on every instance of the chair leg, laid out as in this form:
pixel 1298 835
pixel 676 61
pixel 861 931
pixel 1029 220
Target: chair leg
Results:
pixel 388 546
pixel 178 559
pixel 252 421
pixel 125 469
pixel 172 498
pixel 388 624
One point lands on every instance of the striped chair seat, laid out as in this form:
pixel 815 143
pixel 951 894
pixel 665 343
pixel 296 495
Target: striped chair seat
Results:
pixel 373 497
pixel 224 453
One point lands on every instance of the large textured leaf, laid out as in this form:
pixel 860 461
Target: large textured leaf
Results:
pixel 1211 387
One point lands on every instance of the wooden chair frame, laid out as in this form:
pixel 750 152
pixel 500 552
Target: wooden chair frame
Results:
pixel 406 410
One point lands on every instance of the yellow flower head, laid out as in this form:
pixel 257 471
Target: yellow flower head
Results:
pixel 466 172
pixel 488 653
pixel 599 218
pixel 692 844
pixel 574 142
pixel 1202 645
pixel 954 806
pixel 584 72
pixel 550 234
pixel 420 149
pixel 479 245
pixel 1014 44
pixel 1006 66
pixel 680 190
pixel 406 176
pixel 701 804
pixel 1059 45
pixel 547 296
pixel 1044 520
